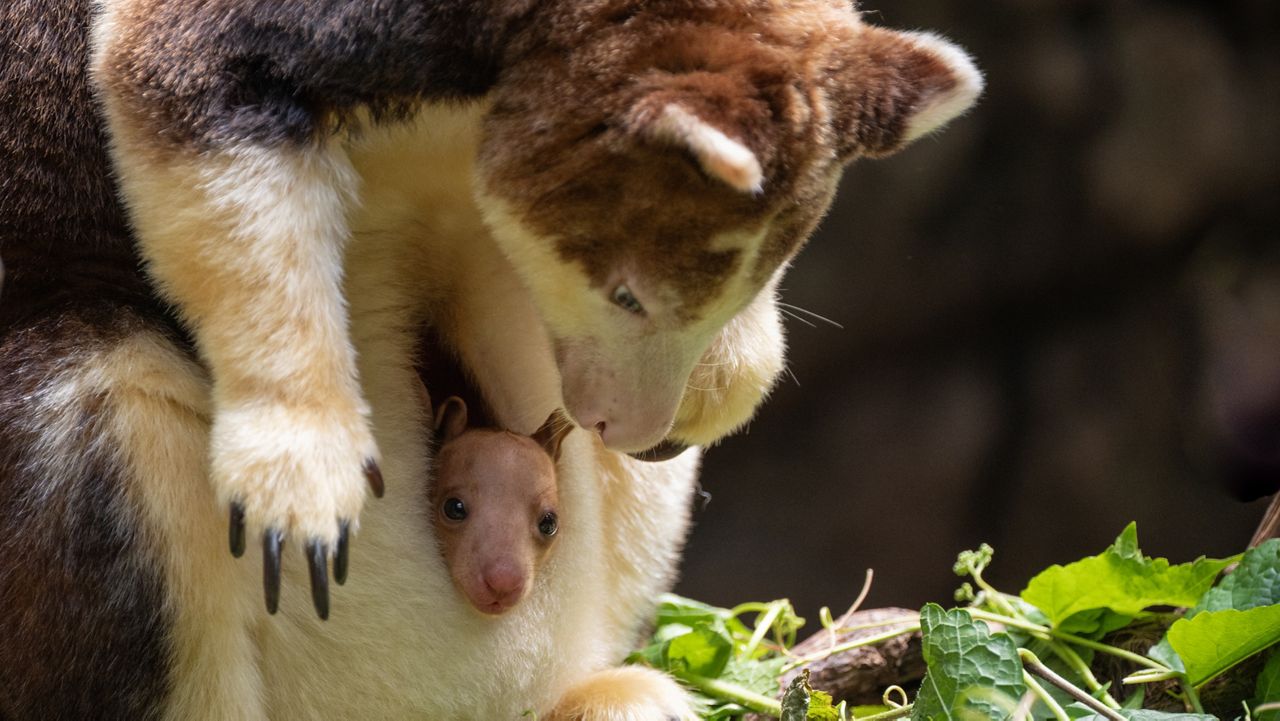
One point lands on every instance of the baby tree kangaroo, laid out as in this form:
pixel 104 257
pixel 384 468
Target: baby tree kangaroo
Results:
pixel 494 505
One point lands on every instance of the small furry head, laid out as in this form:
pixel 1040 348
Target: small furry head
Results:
pixel 494 505
pixel 649 167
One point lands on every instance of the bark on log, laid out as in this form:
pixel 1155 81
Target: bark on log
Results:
pixel 861 674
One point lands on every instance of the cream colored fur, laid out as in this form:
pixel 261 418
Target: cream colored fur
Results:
pixel 719 155
pixel 402 642
pixel 249 244
pixel 660 360
pixel 154 406
pixel 158 415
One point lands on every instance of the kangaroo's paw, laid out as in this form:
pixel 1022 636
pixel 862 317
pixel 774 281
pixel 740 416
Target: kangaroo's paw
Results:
pixel 294 473
pixel 632 693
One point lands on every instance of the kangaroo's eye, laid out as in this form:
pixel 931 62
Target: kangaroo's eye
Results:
pixel 625 299
pixel 454 509
pixel 548 524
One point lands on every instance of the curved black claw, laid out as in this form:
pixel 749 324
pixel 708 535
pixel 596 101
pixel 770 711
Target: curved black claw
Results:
pixel 318 561
pixel 374 476
pixel 236 531
pixel 272 540
pixel 340 558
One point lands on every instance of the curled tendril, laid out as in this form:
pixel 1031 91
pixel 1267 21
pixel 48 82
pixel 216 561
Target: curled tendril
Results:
pixel 895 697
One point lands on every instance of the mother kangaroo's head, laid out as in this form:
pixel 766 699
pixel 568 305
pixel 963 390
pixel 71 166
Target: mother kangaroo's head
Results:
pixel 650 167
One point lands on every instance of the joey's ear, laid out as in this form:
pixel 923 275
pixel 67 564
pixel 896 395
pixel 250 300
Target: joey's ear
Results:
pixel 553 432
pixel 719 155
pixel 890 87
pixel 451 419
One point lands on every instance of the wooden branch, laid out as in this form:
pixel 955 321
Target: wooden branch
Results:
pixel 861 674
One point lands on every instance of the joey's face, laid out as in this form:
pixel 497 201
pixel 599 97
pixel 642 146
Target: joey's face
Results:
pixel 648 167
pixel 494 508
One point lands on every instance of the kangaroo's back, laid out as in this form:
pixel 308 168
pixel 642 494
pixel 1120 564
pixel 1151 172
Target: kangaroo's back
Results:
pixel 63 235
pixel 83 630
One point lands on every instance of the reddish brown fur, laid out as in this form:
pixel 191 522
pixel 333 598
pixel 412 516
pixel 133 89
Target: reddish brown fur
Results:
pixel 804 85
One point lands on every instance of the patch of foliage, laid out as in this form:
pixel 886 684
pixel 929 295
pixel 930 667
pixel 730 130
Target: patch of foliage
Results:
pixel 984 659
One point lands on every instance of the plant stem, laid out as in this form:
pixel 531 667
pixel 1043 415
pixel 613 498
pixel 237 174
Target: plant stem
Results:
pixel 1034 666
pixel 1077 664
pixel 848 645
pixel 749 607
pixel 763 624
pixel 886 715
pixel 1149 676
pixel 1193 698
pixel 1045 633
pixel 1110 650
pixel 880 624
pixel 733 692
pixel 1058 712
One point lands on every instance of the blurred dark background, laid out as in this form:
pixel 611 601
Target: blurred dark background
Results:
pixel 1059 315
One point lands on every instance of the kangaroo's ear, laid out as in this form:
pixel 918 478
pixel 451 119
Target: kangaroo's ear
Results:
pixel 553 432
pixel 451 419
pixel 887 88
pixel 719 155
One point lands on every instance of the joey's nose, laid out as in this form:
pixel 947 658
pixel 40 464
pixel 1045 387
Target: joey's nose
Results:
pixel 504 581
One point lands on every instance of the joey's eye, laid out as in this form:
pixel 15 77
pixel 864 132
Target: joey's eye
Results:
pixel 548 524
pixel 453 509
pixel 625 299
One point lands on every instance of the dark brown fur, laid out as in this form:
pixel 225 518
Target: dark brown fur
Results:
pixel 82 614
pixel 203 74
pixel 441 370
pixel 63 234
pixel 82 620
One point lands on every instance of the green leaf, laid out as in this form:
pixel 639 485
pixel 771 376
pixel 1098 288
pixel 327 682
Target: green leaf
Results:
pixel 1080 712
pixel 760 676
pixel 1094 624
pixel 1136 699
pixel 963 655
pixel 821 708
pixel 1268 689
pixel 725 712
pixel 1121 580
pixel 1126 545
pixel 1214 641
pixel 1254 583
pixel 677 609
pixel 701 652
pixel 1165 654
